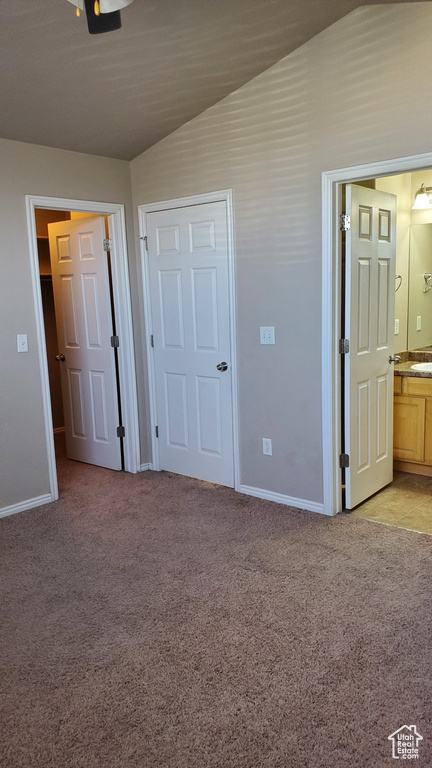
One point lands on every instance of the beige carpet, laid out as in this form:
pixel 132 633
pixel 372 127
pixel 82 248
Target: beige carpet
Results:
pixel 154 621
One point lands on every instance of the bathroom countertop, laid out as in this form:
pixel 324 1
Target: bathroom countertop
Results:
pixel 404 369
pixel 410 358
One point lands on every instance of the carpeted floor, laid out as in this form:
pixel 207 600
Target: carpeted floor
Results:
pixel 154 621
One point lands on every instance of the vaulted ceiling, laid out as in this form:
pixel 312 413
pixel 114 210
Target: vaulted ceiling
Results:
pixel 119 93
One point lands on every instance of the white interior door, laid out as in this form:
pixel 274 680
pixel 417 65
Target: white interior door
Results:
pixel 189 287
pixel 84 328
pixel 370 289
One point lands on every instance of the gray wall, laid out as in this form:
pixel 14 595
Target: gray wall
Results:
pixel 28 169
pixel 355 94
pixel 347 97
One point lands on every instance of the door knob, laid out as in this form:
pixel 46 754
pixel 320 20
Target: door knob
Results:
pixel 222 366
pixel 60 357
pixel 395 359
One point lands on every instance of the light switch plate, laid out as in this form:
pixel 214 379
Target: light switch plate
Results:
pixel 22 342
pixel 267 446
pixel 267 334
pixel 419 322
pixel 396 326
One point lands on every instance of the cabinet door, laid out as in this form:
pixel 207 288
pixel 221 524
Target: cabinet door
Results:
pixel 409 428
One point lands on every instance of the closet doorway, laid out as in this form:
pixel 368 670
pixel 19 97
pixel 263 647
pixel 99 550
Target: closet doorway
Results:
pixel 41 213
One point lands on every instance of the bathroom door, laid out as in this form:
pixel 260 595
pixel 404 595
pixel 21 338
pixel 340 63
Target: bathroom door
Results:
pixel 369 325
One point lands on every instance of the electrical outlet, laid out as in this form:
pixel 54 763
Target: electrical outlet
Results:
pixel 267 446
pixel 396 327
pixel 419 322
pixel 267 334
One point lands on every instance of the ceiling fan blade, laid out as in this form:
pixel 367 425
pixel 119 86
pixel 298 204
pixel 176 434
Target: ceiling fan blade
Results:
pixel 106 6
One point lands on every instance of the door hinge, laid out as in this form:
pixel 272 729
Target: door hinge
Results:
pixel 151 341
pixel 121 432
pixel 115 341
pixel 343 346
pixel 344 460
pixel 157 431
pixel 144 239
pixel 345 222
pixel 107 244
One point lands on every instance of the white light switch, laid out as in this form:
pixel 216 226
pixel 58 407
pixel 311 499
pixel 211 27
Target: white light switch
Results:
pixel 419 322
pixel 22 342
pixel 267 446
pixel 396 326
pixel 267 335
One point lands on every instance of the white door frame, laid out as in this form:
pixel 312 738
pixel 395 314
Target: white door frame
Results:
pixel 123 313
pixel 182 202
pixel 332 182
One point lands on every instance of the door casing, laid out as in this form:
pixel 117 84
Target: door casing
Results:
pixel 143 210
pixel 123 312
pixel 331 187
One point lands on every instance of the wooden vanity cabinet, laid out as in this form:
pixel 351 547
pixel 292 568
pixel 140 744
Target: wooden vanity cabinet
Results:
pixel 412 426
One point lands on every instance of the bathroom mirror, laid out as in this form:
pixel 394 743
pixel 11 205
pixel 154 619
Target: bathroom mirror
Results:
pixel 420 287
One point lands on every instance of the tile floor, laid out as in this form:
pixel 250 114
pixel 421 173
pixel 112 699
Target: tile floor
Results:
pixel 405 503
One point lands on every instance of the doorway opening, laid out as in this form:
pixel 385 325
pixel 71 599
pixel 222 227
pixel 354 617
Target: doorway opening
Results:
pixel 333 183
pixel 120 303
pixel 407 500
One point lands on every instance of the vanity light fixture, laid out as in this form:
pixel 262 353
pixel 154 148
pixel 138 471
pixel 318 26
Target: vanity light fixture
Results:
pixel 422 201
pixel 102 15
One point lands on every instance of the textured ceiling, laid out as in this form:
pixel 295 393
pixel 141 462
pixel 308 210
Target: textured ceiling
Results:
pixel 118 94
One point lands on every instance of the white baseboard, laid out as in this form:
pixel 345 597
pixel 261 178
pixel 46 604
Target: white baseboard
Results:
pixel 145 467
pixel 279 498
pixel 23 505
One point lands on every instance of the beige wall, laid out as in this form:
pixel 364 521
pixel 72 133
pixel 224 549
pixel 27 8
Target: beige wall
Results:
pixel 28 169
pixel 421 262
pixel 340 100
pixel 401 187
pixel 420 302
pixel 413 259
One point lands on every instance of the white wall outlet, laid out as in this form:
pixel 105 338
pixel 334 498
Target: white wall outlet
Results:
pixel 419 322
pixel 396 327
pixel 267 446
pixel 22 342
pixel 267 335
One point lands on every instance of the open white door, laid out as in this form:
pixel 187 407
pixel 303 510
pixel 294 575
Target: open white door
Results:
pixel 369 322
pixel 84 328
pixel 189 289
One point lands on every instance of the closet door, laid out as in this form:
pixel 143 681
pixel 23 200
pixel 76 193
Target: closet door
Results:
pixel 84 329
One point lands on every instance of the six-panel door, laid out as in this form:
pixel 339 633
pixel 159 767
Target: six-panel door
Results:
pixel 84 329
pixel 189 286
pixel 370 289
